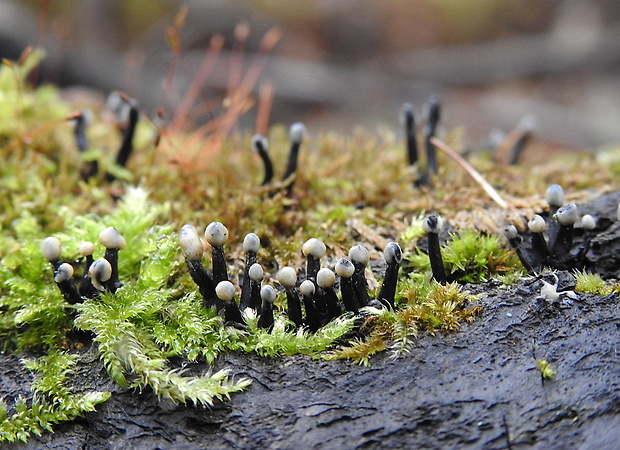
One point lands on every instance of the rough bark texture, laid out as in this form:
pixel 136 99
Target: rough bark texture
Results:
pixel 478 388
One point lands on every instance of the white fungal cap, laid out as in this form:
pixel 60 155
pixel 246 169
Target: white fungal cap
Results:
pixel 191 244
pixel 287 276
pixel 432 224
pixel 257 140
pixel 359 254
pixel 392 253
pixel 268 293
pixel 216 234
pixel 314 247
pixel 555 195
pixel 528 123
pixel 64 273
pixel 588 222
pixel 537 224
pixel 297 132
pixel 111 238
pixel 345 268
pixel 325 277
pixel 87 248
pixel 511 232
pixel 51 248
pixel 225 290
pixel 100 271
pixel 251 243
pixel 306 288
pixel 568 215
pixel 256 272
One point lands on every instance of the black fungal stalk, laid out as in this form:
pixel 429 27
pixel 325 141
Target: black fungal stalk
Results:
pixel 515 240
pixel 81 121
pixel 430 130
pixel 268 295
pixel 588 224
pixel 86 288
pixel 567 216
pixel 251 245
pixel 555 199
pixel 313 249
pixel 539 256
pixel 216 235
pixel 113 242
pixel 408 120
pixel 297 131
pixel 359 257
pixel 64 279
pixel 307 290
pixel 325 280
pixel 193 249
pixel 345 270
pixel 526 130
pixel 287 277
pixel 260 146
pixel 126 148
pixel 432 225
pixel 256 274
pixel 393 257
pixel 225 291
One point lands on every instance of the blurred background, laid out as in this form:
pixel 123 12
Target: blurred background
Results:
pixel 339 64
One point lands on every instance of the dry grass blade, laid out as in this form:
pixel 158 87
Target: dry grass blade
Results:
pixel 470 170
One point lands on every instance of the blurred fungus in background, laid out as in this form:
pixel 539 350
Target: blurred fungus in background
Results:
pixel 336 65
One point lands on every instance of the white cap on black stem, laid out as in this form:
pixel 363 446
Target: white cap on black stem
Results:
pixel 100 272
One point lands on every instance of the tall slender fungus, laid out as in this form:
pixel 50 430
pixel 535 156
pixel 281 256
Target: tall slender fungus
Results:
pixel 512 234
pixel 251 245
pixel 86 286
pixel 555 199
pixel 297 131
pixel 313 249
pixel 268 295
pixel 307 291
pixel 359 257
pixel 393 257
pixel 287 276
pixel 216 235
pixel 51 250
pixel 126 148
pixel 225 291
pixel 64 279
pixel 193 248
pixel 408 120
pixel 345 270
pixel 540 251
pixel 432 225
pixel 325 279
pixel 260 145
pixel 100 272
pixel 256 275
pixel 567 216
pixel 430 130
pixel 111 239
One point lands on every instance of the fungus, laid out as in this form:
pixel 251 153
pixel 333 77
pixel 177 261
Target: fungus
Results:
pixel 297 131
pixel 86 286
pixel 51 250
pixel 313 249
pixel 268 295
pixel 345 270
pixel 225 291
pixel 430 130
pixel 567 216
pixel 588 224
pixel 256 274
pixel 111 239
pixel 550 293
pixel 251 245
pixel 126 147
pixel 217 235
pixel 307 291
pixel 288 278
pixel 432 225
pixel 100 273
pixel 82 120
pixel 555 199
pixel 540 251
pixel 515 241
pixel 63 277
pixel 525 130
pixel 408 120
pixel 393 257
pixel 193 249
pixel 260 146
pixel 359 257
pixel 325 280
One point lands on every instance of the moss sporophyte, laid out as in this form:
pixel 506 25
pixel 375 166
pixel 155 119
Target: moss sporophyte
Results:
pixel 92 264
